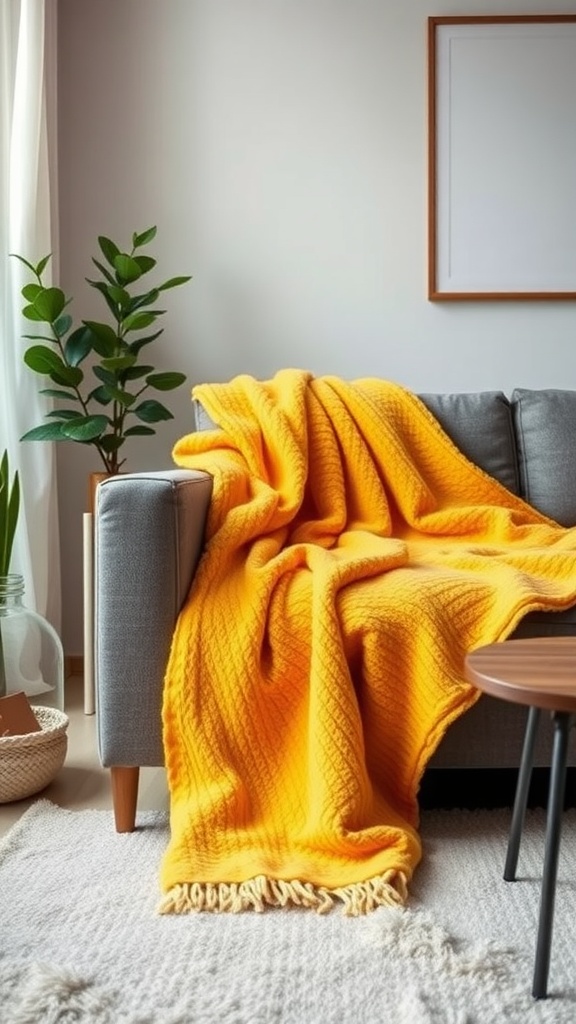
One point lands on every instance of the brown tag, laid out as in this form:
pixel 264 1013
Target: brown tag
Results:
pixel 16 715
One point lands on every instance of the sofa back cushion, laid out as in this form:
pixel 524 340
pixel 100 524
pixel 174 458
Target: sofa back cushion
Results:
pixel 202 421
pixel 480 424
pixel 545 426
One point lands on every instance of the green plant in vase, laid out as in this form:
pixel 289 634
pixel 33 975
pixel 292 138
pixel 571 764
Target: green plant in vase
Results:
pixel 95 370
pixel 9 510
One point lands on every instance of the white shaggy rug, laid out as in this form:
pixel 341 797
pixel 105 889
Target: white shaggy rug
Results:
pixel 81 943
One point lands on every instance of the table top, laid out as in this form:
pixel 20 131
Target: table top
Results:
pixel 539 671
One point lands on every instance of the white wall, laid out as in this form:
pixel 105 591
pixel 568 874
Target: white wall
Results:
pixel 280 147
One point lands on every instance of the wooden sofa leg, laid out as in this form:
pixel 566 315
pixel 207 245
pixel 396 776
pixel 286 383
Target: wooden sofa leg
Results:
pixel 124 796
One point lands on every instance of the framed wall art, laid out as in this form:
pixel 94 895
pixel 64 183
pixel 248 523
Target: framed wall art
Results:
pixel 502 157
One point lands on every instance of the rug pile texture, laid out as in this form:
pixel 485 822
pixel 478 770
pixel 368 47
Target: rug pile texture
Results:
pixel 82 942
pixel 353 557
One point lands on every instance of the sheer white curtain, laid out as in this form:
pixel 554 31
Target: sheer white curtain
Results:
pixel 27 69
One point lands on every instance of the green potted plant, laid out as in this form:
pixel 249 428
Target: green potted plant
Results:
pixel 9 510
pixel 94 369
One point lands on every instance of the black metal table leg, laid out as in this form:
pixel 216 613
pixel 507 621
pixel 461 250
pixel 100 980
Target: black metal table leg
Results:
pixel 562 723
pixel 521 796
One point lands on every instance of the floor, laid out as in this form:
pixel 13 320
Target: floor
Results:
pixel 82 782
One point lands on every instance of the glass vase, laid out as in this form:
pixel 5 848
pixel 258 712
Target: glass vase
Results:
pixel 31 654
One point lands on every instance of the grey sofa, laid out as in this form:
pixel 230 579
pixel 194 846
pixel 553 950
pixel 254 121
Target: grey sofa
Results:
pixel 149 537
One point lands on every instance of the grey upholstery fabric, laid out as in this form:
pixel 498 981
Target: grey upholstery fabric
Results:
pixel 490 735
pixel 202 420
pixel 148 538
pixel 545 424
pixel 480 424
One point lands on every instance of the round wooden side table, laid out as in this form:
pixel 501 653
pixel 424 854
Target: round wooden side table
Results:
pixel 540 673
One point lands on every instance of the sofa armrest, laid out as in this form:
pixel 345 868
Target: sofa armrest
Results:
pixel 149 534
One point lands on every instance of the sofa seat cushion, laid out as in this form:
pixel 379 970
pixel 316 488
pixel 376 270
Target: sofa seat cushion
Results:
pixel 545 425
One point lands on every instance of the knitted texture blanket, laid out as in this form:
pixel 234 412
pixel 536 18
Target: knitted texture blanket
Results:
pixel 353 557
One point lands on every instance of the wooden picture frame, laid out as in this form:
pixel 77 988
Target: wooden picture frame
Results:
pixel 502 157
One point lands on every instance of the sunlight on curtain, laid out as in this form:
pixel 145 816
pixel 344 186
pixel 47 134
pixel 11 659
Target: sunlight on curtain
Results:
pixel 25 228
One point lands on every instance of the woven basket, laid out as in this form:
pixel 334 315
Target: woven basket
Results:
pixel 28 763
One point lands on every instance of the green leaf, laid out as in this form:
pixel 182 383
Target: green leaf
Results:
pixel 31 313
pixel 132 431
pixel 104 375
pixel 110 442
pixel 78 346
pixel 173 282
pixel 42 359
pixel 26 263
pixel 30 291
pixel 9 508
pixel 135 372
pixel 146 263
pixel 144 237
pixel 152 412
pixel 135 346
pixel 69 396
pixel 138 321
pixel 40 268
pixel 46 432
pixel 127 269
pixel 146 299
pixel 11 520
pixel 49 304
pixel 104 271
pixel 69 376
pixel 62 325
pixel 85 428
pixel 40 337
pixel 118 295
pixel 63 414
pixel 13 510
pixel 3 510
pixel 122 397
pixel 118 363
pixel 109 249
pixel 103 288
pixel 104 338
pixel 166 381
pixel 37 270
pixel 100 395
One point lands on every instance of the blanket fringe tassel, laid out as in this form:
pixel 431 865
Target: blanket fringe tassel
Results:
pixel 389 889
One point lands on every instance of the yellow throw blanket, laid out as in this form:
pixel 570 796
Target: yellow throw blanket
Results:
pixel 353 557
